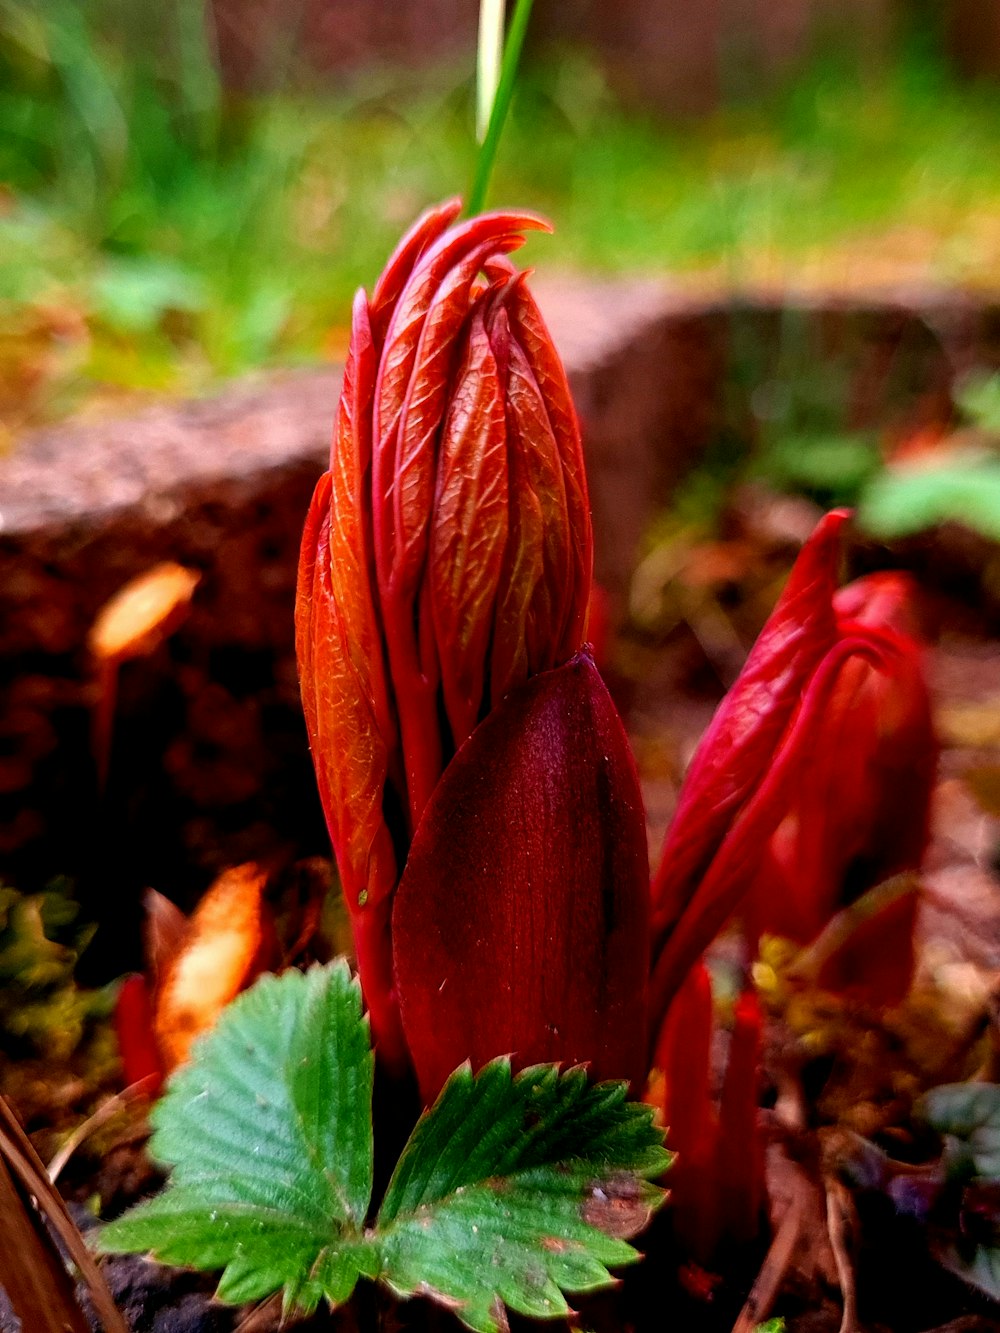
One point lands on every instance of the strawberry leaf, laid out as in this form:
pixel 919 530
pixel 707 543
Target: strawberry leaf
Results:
pixel 511 1190
pixel 514 1189
pixel 269 1132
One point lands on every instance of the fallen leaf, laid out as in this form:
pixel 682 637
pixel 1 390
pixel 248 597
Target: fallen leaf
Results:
pixel 228 944
pixel 143 613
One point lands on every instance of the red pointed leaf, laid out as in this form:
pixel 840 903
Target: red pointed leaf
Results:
pixel 407 459
pixel 410 311
pixel 469 529
pixel 523 558
pixel 520 925
pixel 729 877
pixel 530 432
pixel 861 805
pixel 739 745
pixel 867 950
pixel 424 232
pixel 530 330
pixel 684 1055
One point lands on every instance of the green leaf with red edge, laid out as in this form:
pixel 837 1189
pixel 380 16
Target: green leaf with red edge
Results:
pixel 516 1188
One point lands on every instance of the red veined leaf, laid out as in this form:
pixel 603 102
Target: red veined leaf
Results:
pixel 424 232
pixel 469 528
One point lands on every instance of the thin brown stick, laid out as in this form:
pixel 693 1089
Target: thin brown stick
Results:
pixel 839 1225
pixel 26 1166
pixel 32 1276
pixel 105 1112
pixel 261 1317
pixel 758 1303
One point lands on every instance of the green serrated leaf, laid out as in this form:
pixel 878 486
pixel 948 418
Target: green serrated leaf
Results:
pixel 515 1189
pixel 268 1129
pixel 969 1114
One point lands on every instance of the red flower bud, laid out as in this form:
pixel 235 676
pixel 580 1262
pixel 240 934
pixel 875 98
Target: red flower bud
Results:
pixel 861 806
pixel 828 728
pixel 446 561
pixel 522 920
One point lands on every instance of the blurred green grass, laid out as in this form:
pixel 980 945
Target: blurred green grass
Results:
pixel 158 234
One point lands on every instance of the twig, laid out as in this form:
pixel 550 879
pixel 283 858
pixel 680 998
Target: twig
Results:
pixel 758 1304
pixel 100 1117
pixel 26 1165
pixel 261 1317
pixel 839 1219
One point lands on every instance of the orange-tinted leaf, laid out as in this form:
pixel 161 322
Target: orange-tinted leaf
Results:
pixel 530 331
pixel 410 312
pixel 414 458
pixel 523 561
pixel 529 430
pixel 143 613
pixel 424 232
pixel 469 528
pixel 227 946
pixel 165 928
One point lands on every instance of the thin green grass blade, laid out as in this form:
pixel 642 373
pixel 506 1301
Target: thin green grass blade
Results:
pixel 501 101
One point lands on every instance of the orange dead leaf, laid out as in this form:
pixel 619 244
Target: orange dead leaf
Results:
pixel 227 944
pixel 133 623
pixel 143 613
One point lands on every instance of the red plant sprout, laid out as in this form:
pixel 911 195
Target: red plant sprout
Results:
pixel 717 1180
pixel 819 763
pixel 862 805
pixel 442 601
pixel 683 1058
pixel 141 1061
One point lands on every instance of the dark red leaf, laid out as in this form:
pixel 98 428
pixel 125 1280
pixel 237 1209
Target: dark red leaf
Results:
pixel 739 745
pixel 520 925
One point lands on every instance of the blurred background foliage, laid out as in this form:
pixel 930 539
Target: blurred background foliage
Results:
pixel 163 226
